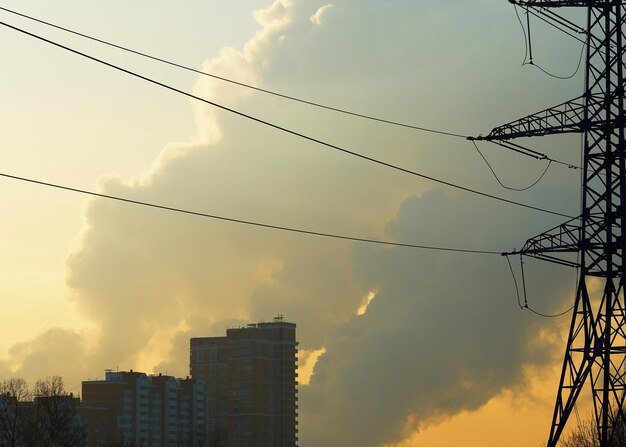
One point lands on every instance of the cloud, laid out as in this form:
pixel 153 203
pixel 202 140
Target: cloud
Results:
pixel 316 19
pixel 443 333
pixel 5 370
pixel 50 353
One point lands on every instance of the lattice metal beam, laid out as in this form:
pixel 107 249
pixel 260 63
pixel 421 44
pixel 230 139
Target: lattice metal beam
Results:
pixel 596 345
pixel 558 3
pixel 553 244
pixel 564 118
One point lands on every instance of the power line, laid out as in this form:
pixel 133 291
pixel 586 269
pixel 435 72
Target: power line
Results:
pixel 526 306
pixel 243 84
pixel 540 15
pixel 270 92
pixel 286 130
pixel 232 81
pixel 519 301
pixel 243 221
pixel 514 147
pixel 539 314
pixel 580 60
pixel 528 46
pixel 500 181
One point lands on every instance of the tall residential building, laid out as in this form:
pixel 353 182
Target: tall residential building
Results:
pixel 251 381
pixel 132 408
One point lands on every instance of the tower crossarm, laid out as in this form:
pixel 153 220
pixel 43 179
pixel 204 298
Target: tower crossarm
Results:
pixel 556 3
pixel 567 117
pixel 549 245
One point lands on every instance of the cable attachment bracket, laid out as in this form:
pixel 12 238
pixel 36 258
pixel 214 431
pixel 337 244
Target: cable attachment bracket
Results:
pixel 553 245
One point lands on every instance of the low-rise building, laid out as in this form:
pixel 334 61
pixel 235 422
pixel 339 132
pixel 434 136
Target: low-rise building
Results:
pixel 133 408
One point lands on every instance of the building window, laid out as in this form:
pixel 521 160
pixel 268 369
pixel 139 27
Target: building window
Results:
pixel 201 357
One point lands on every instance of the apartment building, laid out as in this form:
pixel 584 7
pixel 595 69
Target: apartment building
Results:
pixel 251 381
pixel 133 408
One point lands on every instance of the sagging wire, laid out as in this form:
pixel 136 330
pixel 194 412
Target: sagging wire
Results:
pixel 530 40
pixel 519 19
pixel 521 263
pixel 500 181
pixel 519 302
pixel 528 47
pixel 525 306
pixel 565 312
pixel 272 125
pixel 232 81
pixel 580 61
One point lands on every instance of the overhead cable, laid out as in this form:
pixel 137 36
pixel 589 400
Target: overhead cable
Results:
pixel 519 19
pixel 500 181
pixel 286 130
pixel 580 60
pixel 539 314
pixel 509 145
pixel 519 301
pixel 232 81
pixel 526 306
pixel 541 17
pixel 528 47
pixel 243 84
pixel 562 21
pixel 243 221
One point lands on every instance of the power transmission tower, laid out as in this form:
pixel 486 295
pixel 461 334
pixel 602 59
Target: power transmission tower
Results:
pixel 596 347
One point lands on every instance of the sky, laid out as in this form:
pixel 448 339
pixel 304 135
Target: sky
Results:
pixel 399 347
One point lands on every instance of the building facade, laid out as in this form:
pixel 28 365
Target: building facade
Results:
pixel 9 420
pixel 132 408
pixel 192 413
pixel 251 381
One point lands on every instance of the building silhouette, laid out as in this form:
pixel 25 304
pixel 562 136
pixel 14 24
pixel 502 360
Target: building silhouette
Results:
pixel 44 421
pixel 250 375
pixel 132 408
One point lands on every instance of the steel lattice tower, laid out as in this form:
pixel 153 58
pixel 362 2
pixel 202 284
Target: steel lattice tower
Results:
pixel 596 345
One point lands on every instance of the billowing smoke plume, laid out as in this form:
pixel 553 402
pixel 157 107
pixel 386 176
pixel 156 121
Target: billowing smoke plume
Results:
pixel 443 333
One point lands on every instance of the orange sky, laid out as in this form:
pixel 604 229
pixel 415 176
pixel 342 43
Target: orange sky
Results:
pixel 519 418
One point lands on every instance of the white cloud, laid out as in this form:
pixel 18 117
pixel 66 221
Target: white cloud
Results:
pixel 431 343
pixel 316 19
